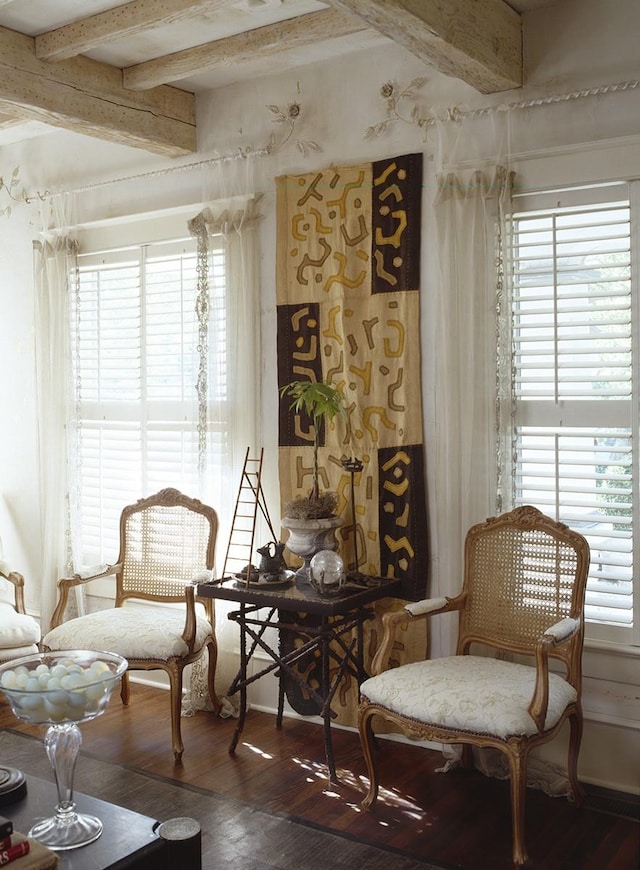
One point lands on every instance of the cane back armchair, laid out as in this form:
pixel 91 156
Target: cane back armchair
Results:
pixel 521 605
pixel 167 545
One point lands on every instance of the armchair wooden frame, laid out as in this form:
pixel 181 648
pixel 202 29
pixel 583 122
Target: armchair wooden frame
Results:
pixel 523 595
pixel 17 581
pixel 166 541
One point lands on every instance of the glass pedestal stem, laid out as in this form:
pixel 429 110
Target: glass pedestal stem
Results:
pixel 67 829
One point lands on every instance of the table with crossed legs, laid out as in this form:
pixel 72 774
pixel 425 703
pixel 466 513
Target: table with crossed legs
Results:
pixel 320 642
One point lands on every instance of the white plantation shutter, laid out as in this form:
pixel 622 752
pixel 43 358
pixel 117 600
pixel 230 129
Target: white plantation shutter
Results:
pixel 575 383
pixel 137 360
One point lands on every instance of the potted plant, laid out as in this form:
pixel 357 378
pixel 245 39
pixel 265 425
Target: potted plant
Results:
pixel 319 400
pixel 311 519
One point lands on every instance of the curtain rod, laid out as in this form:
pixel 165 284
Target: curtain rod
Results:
pixel 452 114
pixel 168 170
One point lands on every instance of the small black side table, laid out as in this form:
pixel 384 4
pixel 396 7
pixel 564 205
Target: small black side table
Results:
pixel 332 636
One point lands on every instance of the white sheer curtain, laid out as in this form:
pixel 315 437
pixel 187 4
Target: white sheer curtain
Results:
pixel 468 209
pixel 237 375
pixel 236 222
pixel 54 267
pixel 469 381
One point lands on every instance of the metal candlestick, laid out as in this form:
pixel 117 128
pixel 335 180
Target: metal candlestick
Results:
pixel 353 466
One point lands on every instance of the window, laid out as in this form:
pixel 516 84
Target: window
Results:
pixel 576 384
pixel 137 359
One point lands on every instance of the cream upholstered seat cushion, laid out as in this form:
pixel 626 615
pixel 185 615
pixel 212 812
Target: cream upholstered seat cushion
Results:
pixel 17 630
pixel 468 693
pixel 134 633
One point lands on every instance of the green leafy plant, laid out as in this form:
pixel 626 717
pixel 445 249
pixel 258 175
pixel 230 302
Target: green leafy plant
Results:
pixel 320 400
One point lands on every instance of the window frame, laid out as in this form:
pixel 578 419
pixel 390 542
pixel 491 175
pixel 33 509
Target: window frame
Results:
pixel 597 190
pixel 108 242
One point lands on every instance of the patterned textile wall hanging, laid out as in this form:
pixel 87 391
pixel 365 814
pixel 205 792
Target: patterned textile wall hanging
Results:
pixel 348 311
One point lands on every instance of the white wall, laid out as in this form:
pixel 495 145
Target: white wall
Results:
pixel 19 527
pixel 581 44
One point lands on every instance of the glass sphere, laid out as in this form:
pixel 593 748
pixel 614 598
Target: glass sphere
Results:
pixel 327 568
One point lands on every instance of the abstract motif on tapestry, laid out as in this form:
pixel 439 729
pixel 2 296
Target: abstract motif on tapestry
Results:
pixel 348 311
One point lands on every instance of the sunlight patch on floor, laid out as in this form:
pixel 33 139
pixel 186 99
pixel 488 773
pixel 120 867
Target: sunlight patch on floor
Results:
pixel 257 751
pixel 404 803
pixel 388 797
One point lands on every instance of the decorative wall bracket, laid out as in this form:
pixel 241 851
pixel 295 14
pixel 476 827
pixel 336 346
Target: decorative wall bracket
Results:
pixel 396 98
pixel 288 119
pixel 14 193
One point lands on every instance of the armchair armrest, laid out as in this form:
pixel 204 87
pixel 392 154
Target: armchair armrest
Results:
pixel 411 612
pixel 563 630
pixel 558 633
pixel 431 606
pixel 65 584
pixel 5 568
pixel 17 581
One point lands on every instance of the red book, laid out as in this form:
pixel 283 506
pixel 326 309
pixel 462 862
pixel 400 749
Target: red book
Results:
pixel 13 852
pixel 5 842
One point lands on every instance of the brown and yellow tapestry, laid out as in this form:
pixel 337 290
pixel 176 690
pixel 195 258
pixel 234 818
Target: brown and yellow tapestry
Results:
pixel 348 311
pixel 348 298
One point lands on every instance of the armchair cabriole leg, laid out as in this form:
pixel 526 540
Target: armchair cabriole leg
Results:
pixel 367 740
pixel 125 689
pixel 518 768
pixel 175 681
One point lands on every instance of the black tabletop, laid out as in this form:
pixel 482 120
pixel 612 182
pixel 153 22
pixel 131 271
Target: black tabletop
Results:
pixel 300 596
pixel 128 839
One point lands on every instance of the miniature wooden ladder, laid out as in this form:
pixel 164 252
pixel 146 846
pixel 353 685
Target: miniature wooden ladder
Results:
pixel 243 527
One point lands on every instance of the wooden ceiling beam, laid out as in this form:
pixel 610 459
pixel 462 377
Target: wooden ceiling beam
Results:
pixel 478 41
pixel 252 45
pixel 86 96
pixel 140 15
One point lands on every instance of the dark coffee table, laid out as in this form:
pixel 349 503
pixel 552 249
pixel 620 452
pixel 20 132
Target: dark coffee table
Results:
pixel 128 839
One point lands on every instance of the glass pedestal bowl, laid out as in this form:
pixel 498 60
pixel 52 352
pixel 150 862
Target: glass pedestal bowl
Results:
pixel 61 690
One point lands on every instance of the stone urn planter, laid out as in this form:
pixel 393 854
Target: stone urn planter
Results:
pixel 310 519
pixel 308 536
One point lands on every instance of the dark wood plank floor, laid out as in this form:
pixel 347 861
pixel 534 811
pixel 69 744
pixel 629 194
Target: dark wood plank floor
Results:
pixel 460 819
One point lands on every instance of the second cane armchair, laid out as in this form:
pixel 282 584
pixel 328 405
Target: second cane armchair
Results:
pixel 520 609
pixel 167 545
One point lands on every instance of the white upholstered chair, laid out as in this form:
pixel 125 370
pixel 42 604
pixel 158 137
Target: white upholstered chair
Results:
pixel 521 608
pixel 167 544
pixel 19 632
